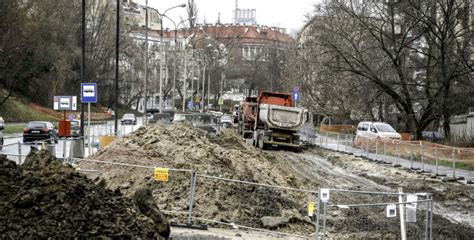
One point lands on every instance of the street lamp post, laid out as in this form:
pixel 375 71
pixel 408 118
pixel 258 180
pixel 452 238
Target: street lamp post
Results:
pixel 161 53
pixel 146 64
pixel 117 42
pixel 176 26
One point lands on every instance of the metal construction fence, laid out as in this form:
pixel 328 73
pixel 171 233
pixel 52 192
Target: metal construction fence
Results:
pixel 438 160
pixel 68 147
pixel 192 198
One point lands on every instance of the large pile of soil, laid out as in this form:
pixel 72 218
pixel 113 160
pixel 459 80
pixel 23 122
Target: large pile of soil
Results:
pixel 179 146
pixel 45 199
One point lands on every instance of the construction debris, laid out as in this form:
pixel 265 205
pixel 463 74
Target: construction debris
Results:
pixel 179 146
pixel 226 156
pixel 45 199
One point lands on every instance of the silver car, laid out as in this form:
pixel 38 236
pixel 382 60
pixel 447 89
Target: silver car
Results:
pixel 129 118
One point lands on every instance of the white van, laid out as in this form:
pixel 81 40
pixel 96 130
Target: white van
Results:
pixel 377 130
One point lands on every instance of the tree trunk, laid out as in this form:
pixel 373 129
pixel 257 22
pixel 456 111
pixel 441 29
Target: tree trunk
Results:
pixel 7 97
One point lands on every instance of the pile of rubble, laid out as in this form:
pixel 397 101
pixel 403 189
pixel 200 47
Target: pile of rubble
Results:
pixel 226 156
pixel 179 146
pixel 45 199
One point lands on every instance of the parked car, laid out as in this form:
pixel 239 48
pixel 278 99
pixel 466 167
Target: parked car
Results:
pixel 433 136
pixel 162 118
pixel 129 118
pixel 148 116
pixel 38 131
pixel 75 128
pixel 205 122
pixel 227 121
pixel 377 130
pixel 2 126
pixel 181 116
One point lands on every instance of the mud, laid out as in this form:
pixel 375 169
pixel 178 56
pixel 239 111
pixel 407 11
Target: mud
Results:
pixel 45 199
pixel 453 202
pixel 181 147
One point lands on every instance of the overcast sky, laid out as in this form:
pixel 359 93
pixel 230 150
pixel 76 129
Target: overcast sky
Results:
pixel 289 14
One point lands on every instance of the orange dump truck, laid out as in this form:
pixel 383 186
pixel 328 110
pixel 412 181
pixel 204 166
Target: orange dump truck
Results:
pixel 277 121
pixel 247 113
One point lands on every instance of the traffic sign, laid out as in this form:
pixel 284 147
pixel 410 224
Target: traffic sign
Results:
pixel 88 92
pixel 324 195
pixel 295 89
pixel 296 96
pixel 67 103
pixel 190 105
pixel 221 101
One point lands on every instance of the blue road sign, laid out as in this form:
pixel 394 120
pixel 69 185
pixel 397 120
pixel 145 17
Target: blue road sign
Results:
pixel 88 92
pixel 190 105
pixel 296 96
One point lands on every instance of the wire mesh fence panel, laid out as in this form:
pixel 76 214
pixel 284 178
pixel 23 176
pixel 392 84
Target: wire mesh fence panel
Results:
pixel 253 205
pixel 355 215
pixel 362 223
pixel 348 217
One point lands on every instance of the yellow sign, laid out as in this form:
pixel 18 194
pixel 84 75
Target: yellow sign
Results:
pixel 221 101
pixel 161 174
pixel 311 209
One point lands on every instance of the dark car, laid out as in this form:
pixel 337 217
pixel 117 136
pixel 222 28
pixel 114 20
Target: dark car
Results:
pixel 432 136
pixel 129 119
pixel 75 128
pixel 38 131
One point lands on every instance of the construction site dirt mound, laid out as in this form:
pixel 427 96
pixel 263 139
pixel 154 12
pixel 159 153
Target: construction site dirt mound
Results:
pixel 226 156
pixel 45 199
pixel 179 146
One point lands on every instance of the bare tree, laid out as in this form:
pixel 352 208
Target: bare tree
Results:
pixel 192 13
pixel 406 55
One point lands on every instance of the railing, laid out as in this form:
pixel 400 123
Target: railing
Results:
pixel 452 163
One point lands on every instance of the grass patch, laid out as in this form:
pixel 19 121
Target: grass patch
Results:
pixel 15 110
pixel 13 128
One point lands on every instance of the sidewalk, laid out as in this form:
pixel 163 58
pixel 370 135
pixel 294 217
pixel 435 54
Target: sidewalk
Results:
pixel 448 173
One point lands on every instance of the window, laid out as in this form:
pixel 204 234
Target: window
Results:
pixel 363 127
pixel 382 127
pixel 373 129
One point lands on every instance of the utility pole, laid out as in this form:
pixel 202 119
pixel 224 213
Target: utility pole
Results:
pixel 203 86
pixel 185 76
pixel 83 63
pixel 160 107
pixel 175 63
pixel 146 65
pixel 220 91
pixel 117 35
pixel 208 88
